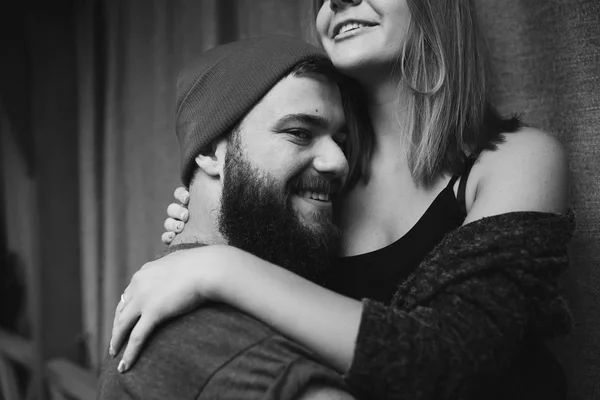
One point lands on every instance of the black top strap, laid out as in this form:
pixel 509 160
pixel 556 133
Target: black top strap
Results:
pixel 453 180
pixel 462 185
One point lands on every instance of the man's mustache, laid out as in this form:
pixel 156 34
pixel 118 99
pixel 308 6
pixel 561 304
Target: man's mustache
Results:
pixel 316 183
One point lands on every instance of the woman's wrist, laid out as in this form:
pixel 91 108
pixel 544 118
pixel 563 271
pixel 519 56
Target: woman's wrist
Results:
pixel 203 267
pixel 235 276
pixel 218 272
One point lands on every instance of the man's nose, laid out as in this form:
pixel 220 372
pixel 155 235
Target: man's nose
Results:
pixel 330 160
pixel 336 5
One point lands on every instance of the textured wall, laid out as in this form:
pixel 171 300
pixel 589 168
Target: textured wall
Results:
pixel 546 57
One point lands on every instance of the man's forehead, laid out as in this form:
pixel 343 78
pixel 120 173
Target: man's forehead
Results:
pixel 308 95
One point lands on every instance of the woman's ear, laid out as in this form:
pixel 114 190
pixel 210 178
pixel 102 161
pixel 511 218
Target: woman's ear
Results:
pixel 212 162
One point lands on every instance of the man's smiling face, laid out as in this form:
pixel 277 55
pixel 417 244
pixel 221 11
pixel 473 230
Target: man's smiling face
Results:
pixel 293 137
pixel 283 165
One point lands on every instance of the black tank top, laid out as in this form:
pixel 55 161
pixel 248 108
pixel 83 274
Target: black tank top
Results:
pixel 377 274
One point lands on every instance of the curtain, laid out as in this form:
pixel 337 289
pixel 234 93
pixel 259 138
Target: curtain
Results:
pixel 130 53
pixel 546 58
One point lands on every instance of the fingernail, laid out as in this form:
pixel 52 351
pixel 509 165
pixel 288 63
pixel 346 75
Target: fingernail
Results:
pixel 184 215
pixel 185 199
pixel 111 351
pixel 122 367
pixel 171 235
pixel 179 226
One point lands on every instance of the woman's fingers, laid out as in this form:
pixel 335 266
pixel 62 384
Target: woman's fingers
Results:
pixel 111 348
pixel 173 225
pixel 178 216
pixel 138 336
pixel 118 310
pixel 124 321
pixel 177 211
pixel 167 237
pixel 182 195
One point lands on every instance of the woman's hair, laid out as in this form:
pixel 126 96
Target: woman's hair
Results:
pixel 444 66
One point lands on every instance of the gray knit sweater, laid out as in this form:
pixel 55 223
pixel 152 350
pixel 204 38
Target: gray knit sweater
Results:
pixel 460 320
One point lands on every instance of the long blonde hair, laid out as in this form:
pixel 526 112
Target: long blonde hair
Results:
pixel 444 67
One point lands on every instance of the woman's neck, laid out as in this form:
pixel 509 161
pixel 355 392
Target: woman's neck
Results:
pixel 388 111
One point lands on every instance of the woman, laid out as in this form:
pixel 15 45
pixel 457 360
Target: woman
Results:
pixel 446 173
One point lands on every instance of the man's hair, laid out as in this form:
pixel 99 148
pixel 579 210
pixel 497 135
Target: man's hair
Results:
pixel 359 143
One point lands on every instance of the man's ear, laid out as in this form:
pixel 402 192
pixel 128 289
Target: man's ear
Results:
pixel 212 162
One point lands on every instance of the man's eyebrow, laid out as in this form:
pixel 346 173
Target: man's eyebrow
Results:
pixel 308 119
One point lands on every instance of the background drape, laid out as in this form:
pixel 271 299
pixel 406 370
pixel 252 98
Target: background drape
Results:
pixel 546 61
pixel 128 151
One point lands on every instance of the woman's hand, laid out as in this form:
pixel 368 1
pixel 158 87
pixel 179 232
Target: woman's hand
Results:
pixel 178 215
pixel 163 289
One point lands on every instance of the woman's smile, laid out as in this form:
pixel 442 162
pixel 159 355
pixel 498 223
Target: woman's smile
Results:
pixel 350 29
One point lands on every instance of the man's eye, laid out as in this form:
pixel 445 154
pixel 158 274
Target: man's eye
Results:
pixel 301 134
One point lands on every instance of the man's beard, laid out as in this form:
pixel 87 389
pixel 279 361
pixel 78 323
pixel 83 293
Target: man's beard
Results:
pixel 257 216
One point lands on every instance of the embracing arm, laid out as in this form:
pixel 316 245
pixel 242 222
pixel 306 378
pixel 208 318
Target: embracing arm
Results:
pixel 447 331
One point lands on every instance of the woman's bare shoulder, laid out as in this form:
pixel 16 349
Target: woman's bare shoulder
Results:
pixel 527 172
pixel 528 147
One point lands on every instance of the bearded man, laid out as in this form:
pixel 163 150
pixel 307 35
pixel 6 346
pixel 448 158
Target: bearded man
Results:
pixel 261 128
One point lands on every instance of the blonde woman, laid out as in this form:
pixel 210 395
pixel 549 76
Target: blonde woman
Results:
pixel 453 241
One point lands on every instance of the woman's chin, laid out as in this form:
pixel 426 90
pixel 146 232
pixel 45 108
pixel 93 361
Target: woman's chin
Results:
pixel 357 61
pixel 363 69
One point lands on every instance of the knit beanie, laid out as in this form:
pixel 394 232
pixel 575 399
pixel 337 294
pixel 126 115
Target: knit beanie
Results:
pixel 215 91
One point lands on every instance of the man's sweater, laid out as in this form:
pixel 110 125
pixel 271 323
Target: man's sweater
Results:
pixel 458 323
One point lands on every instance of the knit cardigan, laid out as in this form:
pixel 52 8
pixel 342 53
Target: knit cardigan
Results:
pixel 461 318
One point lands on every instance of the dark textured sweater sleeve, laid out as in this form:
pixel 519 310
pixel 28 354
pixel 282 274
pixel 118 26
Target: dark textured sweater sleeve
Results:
pixel 460 319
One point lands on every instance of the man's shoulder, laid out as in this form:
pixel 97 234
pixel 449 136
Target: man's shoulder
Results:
pixel 274 369
pixel 183 354
pixel 217 352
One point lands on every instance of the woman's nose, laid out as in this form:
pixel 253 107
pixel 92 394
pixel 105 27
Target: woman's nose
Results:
pixel 336 5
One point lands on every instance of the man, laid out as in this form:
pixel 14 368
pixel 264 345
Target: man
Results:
pixel 261 128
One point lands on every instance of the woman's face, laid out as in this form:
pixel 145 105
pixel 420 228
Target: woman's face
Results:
pixel 359 34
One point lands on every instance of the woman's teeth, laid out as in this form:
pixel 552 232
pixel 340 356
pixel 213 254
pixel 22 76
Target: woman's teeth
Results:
pixel 314 195
pixel 350 27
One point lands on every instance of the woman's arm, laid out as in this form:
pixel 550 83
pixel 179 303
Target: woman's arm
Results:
pixel 444 327
pixel 457 322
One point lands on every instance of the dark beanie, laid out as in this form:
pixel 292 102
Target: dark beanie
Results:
pixel 215 91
